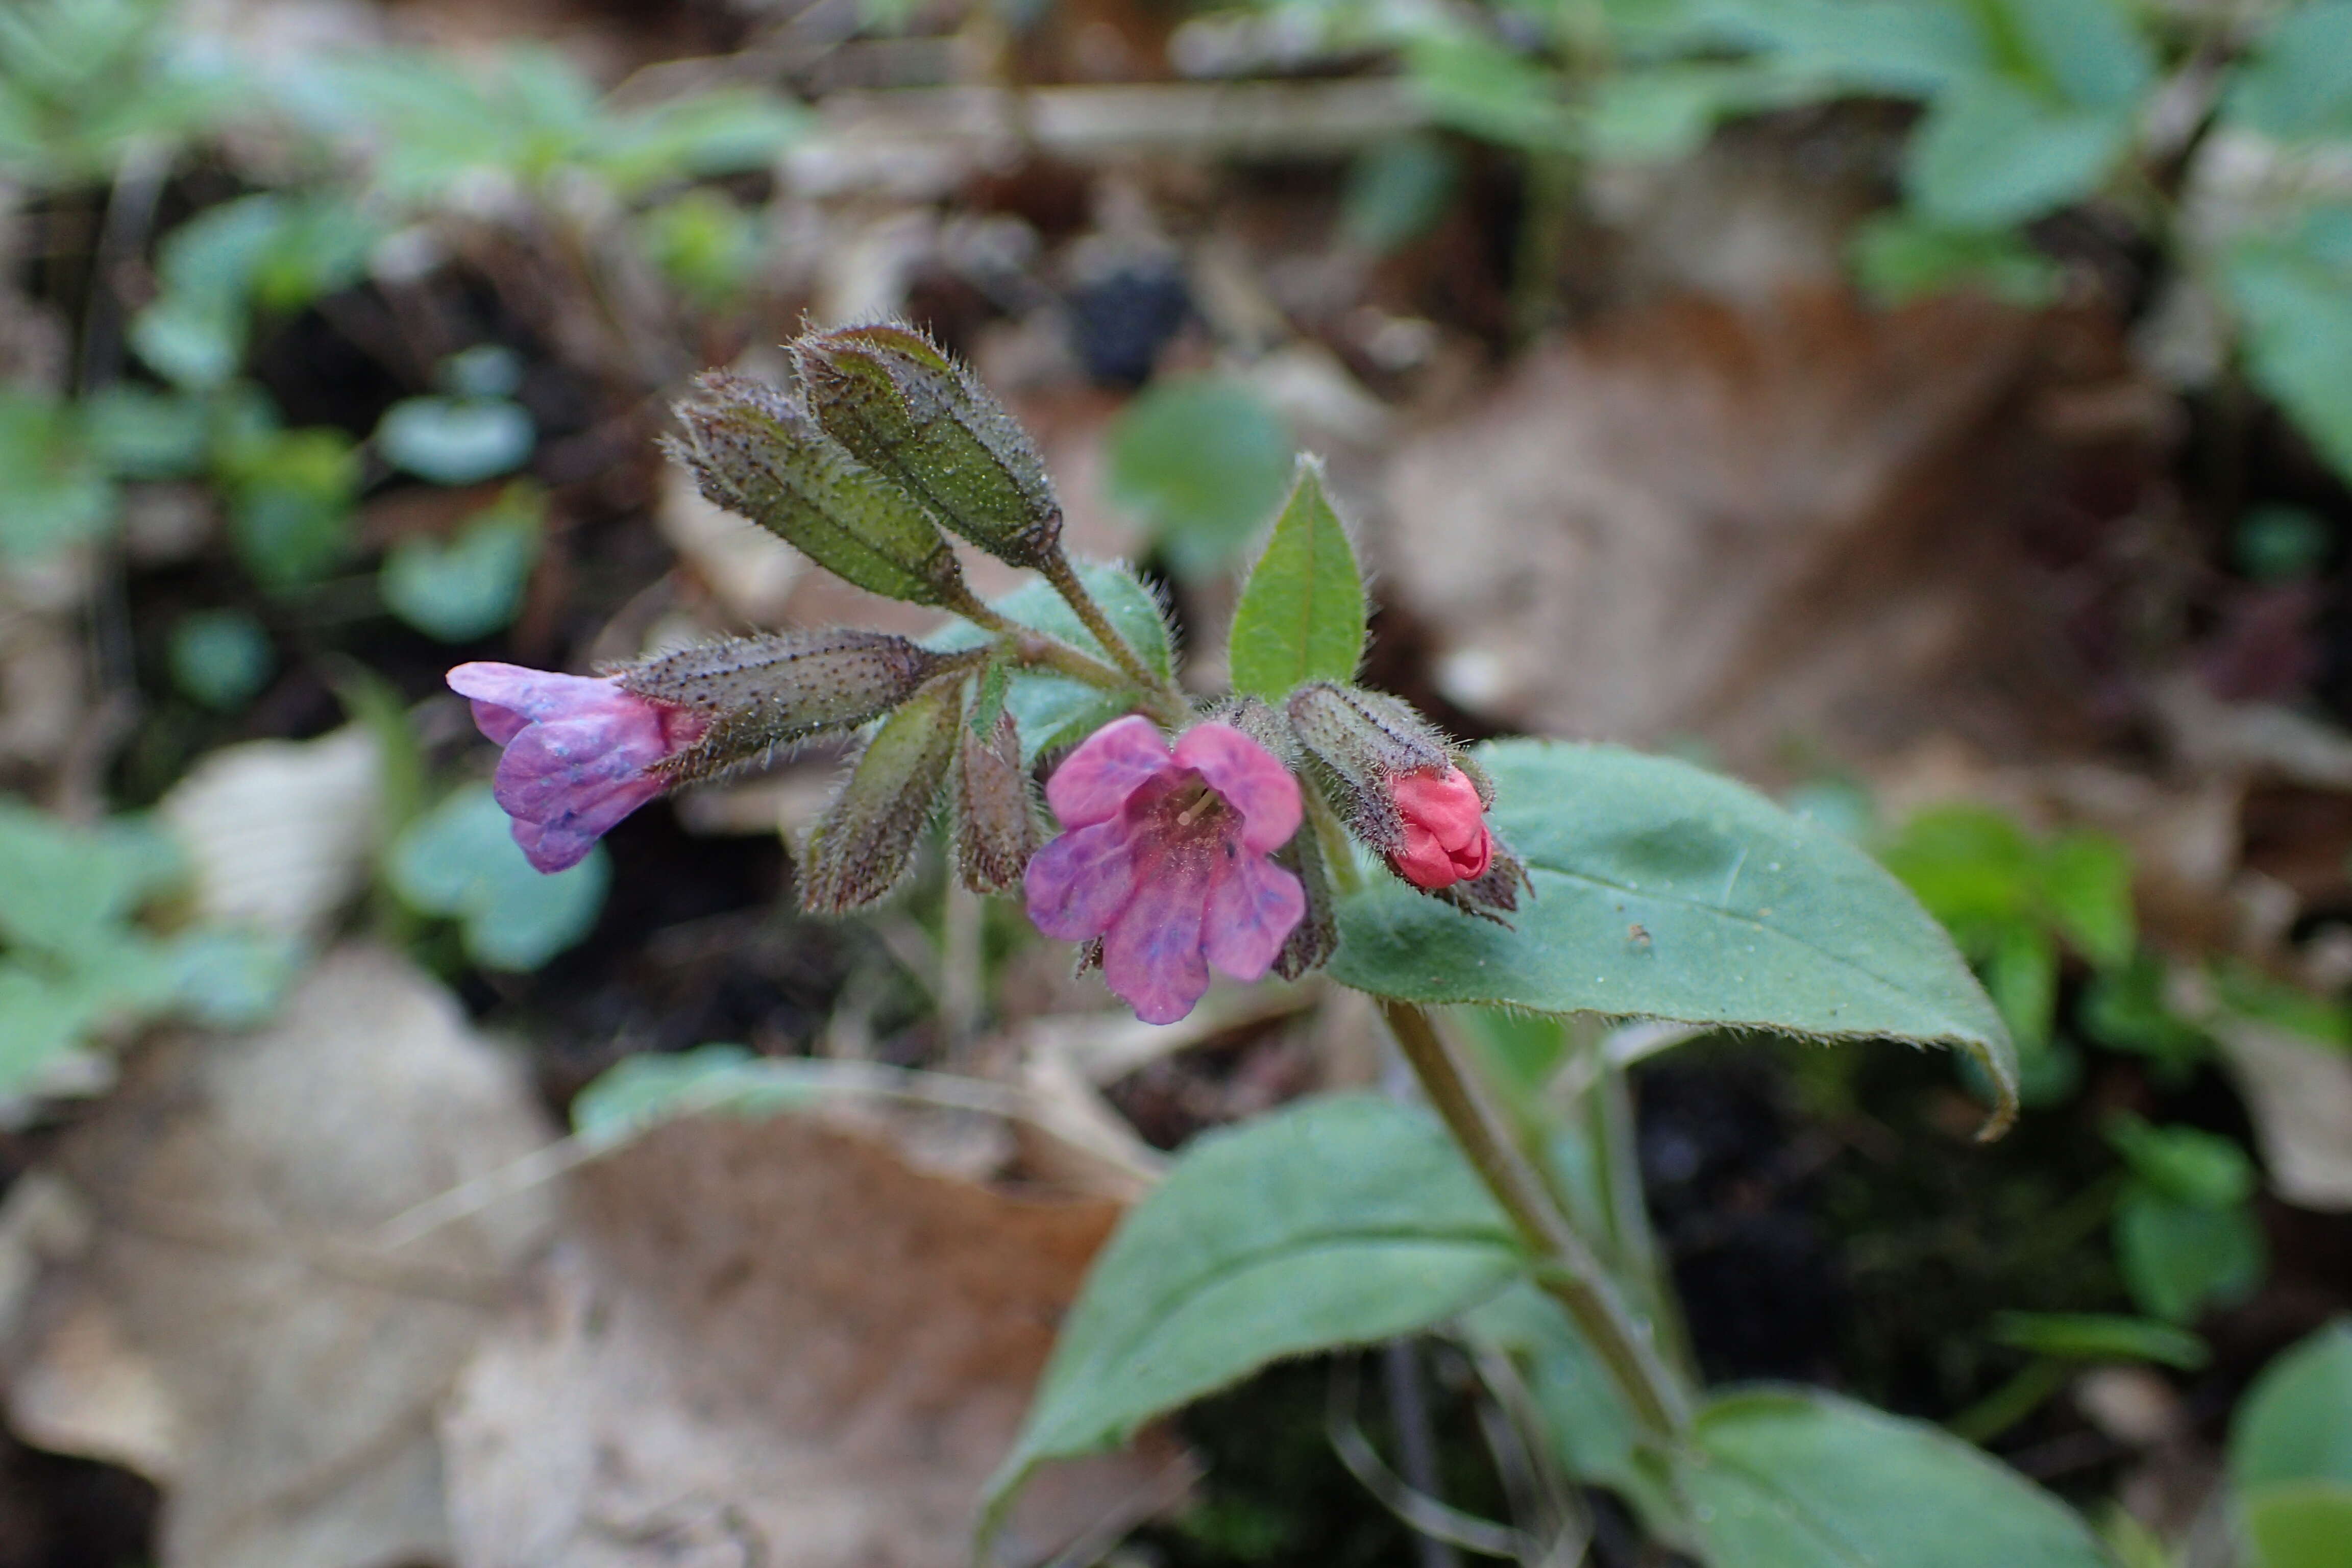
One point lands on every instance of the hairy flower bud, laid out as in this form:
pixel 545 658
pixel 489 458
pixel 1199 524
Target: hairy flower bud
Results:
pixel 867 837
pixel 755 451
pixel 1407 794
pixel 1363 740
pixel 906 410
pixel 763 692
pixel 995 821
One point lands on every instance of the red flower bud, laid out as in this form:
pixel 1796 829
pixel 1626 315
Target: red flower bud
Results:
pixel 1445 837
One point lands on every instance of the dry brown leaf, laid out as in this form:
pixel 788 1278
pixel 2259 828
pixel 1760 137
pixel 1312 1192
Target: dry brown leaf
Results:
pixel 2300 1095
pixel 1742 525
pixel 232 1330
pixel 775 1342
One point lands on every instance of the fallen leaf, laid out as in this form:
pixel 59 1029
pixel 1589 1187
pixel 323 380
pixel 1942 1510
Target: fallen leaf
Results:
pixel 775 1341
pixel 2300 1095
pixel 234 1329
pixel 280 832
pixel 1737 525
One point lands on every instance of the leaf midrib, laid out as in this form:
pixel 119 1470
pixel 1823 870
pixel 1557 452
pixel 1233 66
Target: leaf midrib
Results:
pixel 1899 992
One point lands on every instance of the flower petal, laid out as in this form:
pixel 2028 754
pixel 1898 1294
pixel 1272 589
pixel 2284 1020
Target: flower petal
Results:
pixel 539 694
pixel 1252 908
pixel 1094 781
pixel 565 775
pixel 1422 860
pixel 1250 778
pixel 1076 885
pixel 1152 954
pixel 553 850
pixel 500 725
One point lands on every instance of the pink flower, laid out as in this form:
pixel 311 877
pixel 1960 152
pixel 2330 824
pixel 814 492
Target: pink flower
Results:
pixel 579 752
pixel 1445 837
pixel 1164 858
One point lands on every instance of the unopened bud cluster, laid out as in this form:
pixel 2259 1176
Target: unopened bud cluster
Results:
pixel 1189 842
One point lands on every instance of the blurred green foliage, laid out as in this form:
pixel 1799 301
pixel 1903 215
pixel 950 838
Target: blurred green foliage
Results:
pixel 89 947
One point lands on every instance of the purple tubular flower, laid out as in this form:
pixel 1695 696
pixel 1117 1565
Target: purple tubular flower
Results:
pixel 1164 858
pixel 580 756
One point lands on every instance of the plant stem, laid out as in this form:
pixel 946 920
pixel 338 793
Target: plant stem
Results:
pixel 1608 1111
pixel 1566 1267
pixel 1033 650
pixel 1064 579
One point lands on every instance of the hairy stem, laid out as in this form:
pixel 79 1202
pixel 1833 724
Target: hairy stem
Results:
pixel 1566 1267
pixel 1064 579
pixel 1033 650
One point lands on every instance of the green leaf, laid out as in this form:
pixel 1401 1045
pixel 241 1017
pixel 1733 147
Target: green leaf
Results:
pixel 640 1091
pixel 53 493
pixel 2090 53
pixel 2125 1010
pixel 2294 1423
pixel 1990 153
pixel 460 860
pixel 221 657
pixel 472 585
pixel 1898 48
pixel 2180 1258
pixel 1052 710
pixel 455 441
pixel 1340 1222
pixel 292 492
pixel 2203 1170
pixel 67 889
pixel 1898 258
pixel 1583 1414
pixel 1805 1479
pixel 2086 887
pixel 1396 192
pixel 1474 84
pixel 1301 616
pixel 1753 918
pixel 2296 82
pixel 2101 1336
pixel 1203 461
pixel 139 434
pixel 40 1021
pixel 2295 292
pixel 2299 1524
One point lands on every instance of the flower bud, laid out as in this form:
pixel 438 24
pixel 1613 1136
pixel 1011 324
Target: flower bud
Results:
pixel 755 451
pixel 1407 795
pixel 866 839
pixel 995 822
pixel 908 411
pixel 1363 740
pixel 1445 836
pixel 758 693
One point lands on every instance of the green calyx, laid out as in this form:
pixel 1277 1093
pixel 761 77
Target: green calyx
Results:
pixel 906 410
pixel 867 840
pixel 755 451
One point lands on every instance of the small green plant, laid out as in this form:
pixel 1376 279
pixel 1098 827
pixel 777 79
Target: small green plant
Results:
pixel 89 948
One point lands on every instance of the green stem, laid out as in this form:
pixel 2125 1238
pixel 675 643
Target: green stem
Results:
pixel 1566 1267
pixel 1033 650
pixel 1064 579
pixel 1609 1123
pixel 2010 1404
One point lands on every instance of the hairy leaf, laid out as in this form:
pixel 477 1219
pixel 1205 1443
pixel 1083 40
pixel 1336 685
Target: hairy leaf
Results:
pixel 1809 1480
pixel 1662 890
pixel 1342 1222
pixel 1301 616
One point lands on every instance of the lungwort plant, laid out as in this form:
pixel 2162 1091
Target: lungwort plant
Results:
pixel 1302 823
